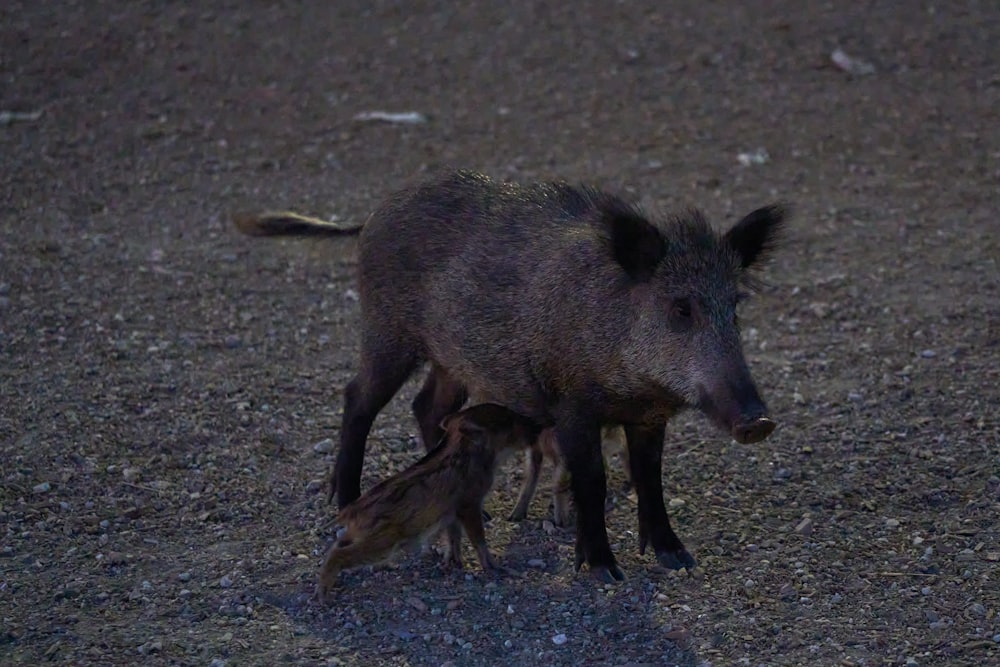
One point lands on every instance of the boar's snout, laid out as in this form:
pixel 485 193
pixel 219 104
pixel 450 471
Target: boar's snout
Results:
pixel 736 406
pixel 752 431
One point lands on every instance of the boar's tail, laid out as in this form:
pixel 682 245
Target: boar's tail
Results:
pixel 286 223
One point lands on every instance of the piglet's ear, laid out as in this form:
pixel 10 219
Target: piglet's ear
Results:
pixel 757 234
pixel 637 244
pixel 487 417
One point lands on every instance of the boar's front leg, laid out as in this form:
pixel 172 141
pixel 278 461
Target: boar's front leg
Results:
pixel 580 443
pixel 645 458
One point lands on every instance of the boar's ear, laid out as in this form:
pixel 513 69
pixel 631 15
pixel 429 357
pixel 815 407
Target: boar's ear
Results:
pixel 637 244
pixel 757 234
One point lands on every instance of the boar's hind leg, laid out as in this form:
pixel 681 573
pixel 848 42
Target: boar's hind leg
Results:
pixel 383 371
pixel 439 397
pixel 645 458
pixel 580 445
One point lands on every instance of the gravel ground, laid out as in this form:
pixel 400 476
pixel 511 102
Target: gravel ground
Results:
pixel 166 384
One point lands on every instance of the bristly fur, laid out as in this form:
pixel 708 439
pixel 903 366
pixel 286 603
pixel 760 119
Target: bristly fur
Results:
pixel 567 305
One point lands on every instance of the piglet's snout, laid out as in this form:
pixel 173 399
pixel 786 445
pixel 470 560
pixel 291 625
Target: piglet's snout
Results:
pixel 753 431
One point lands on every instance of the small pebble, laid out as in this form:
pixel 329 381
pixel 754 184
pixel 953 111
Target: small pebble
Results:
pixel 233 341
pixel 996 638
pixel 680 636
pixel 314 486
pixel 928 354
pixel 805 527
pixel 892 523
pixel 44 487
pixel 676 502
pixel 151 647
pixel 323 446
pixel 926 590
pixel 976 610
pixel 787 591
pixel 559 639
pixel 226 581
pixel 836 598
pixel 217 662
pixel 536 562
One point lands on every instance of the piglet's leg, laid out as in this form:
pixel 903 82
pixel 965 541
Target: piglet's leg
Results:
pixel 532 470
pixel 471 518
pixel 453 557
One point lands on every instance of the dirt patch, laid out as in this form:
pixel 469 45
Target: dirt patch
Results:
pixel 163 380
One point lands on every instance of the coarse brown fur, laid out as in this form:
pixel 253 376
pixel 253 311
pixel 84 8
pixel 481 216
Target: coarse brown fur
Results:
pixel 445 490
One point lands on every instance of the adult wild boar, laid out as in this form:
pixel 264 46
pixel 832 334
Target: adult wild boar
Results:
pixel 565 304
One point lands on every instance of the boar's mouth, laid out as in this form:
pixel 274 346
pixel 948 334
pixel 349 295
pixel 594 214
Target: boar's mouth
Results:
pixel 747 421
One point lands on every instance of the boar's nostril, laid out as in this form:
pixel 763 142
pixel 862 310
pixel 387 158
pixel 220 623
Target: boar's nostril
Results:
pixel 753 431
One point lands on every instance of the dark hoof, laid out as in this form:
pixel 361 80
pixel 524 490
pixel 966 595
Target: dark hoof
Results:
pixel 677 560
pixel 607 574
pixel 517 516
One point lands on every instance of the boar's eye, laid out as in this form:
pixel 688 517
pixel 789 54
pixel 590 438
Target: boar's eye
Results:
pixel 680 312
